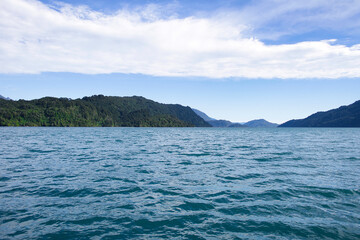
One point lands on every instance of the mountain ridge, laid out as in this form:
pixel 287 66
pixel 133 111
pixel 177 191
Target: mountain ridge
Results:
pixel 260 123
pixel 344 116
pixel 5 98
pixel 203 115
pixel 97 111
pixel 226 123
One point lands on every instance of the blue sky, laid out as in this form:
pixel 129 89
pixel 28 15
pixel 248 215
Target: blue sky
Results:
pixel 235 60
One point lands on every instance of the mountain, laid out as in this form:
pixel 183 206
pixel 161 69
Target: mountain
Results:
pixel 214 122
pixel 225 123
pixel 97 111
pixel 203 115
pixel 219 123
pixel 345 116
pixel 5 98
pixel 260 123
pixel 235 125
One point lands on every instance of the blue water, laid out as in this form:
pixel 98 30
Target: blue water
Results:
pixel 182 183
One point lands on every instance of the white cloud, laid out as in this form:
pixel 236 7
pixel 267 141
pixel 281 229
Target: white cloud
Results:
pixel 272 19
pixel 36 38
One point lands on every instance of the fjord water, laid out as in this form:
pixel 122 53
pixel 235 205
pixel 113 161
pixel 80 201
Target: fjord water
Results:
pixel 183 183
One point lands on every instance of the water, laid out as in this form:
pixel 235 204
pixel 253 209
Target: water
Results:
pixel 179 183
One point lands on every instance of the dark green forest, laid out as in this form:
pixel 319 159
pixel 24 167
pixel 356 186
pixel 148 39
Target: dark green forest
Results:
pixel 97 111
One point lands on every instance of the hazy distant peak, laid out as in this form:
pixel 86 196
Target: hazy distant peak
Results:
pixel 203 115
pixel 225 123
pixel 6 98
pixel 260 123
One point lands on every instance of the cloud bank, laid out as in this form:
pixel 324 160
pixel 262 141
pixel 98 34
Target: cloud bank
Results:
pixel 272 19
pixel 36 38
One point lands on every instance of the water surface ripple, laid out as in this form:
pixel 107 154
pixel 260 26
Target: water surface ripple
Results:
pixel 182 183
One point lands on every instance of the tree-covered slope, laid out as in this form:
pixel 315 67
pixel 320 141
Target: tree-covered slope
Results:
pixel 345 116
pixel 97 111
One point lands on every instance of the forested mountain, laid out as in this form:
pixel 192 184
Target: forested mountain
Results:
pixel 345 116
pixel 99 111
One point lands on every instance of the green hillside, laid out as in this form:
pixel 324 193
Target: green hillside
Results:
pixel 97 111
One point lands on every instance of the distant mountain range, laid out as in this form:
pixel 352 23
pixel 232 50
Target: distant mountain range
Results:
pixel 5 98
pixel 260 123
pixel 98 111
pixel 345 116
pixel 203 115
pixel 225 123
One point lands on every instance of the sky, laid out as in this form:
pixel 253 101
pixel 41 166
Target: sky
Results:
pixel 237 60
